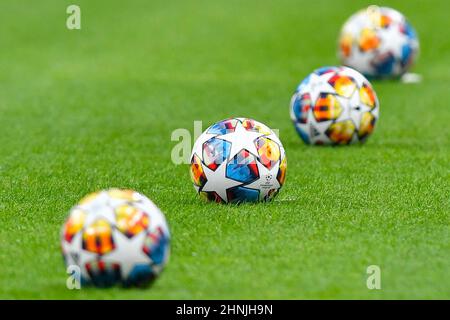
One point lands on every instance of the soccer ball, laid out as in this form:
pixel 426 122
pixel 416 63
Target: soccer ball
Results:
pixel 238 160
pixel 378 42
pixel 116 237
pixel 334 105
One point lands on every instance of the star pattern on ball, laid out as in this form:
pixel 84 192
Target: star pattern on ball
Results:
pixel 317 119
pixel 241 139
pixel 198 145
pixel 105 213
pixel 378 47
pixel 356 113
pixel 222 169
pixel 362 60
pixel 319 84
pixel 128 252
pixel 317 129
pixel 218 182
pixel 392 40
pixel 76 255
pixel 267 181
pixel 102 251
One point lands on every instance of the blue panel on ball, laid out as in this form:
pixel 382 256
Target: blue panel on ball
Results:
pixel 303 84
pixel 409 31
pixel 302 134
pixel 140 275
pixel 241 194
pixel 104 278
pixel 243 167
pixel 301 107
pixel 386 66
pixel 215 151
pixel 223 127
pixel 324 70
pixel 296 108
pixel 406 54
pixel 158 253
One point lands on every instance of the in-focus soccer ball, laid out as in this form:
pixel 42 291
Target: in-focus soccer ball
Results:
pixel 334 105
pixel 378 42
pixel 116 237
pixel 238 160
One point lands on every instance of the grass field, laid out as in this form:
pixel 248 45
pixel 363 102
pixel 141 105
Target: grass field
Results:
pixel 95 108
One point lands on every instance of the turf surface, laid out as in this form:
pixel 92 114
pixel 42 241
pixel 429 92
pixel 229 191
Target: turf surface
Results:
pixel 95 108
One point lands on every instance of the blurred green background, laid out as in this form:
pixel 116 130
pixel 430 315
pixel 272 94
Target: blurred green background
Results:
pixel 94 108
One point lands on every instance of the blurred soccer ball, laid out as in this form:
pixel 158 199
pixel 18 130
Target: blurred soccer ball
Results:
pixel 378 42
pixel 334 105
pixel 238 160
pixel 116 237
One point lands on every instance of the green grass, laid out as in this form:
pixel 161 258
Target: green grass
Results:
pixel 91 109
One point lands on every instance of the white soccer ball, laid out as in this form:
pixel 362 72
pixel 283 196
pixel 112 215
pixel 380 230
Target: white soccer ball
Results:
pixel 115 237
pixel 378 42
pixel 238 160
pixel 334 106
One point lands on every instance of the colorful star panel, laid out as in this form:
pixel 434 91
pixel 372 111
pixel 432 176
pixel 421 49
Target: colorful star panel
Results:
pixel 327 107
pixel 130 220
pixel 215 151
pixel 197 174
pixel 98 238
pixel 269 151
pixel 223 127
pixel 341 132
pixel 243 167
